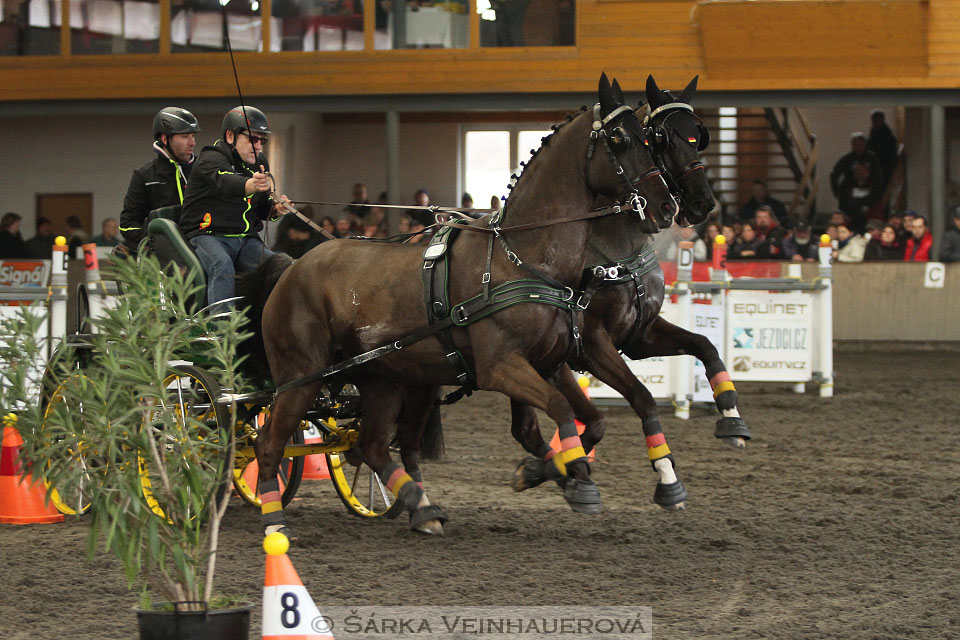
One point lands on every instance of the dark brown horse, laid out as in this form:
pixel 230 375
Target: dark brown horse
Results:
pixel 349 297
pixel 624 316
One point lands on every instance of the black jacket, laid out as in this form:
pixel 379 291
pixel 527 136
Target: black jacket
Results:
pixel 950 249
pixel 13 247
pixel 156 184
pixel 215 202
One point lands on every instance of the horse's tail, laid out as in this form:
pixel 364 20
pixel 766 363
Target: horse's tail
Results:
pixel 255 288
pixel 431 441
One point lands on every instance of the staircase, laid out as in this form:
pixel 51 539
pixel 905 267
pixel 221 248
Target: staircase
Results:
pixel 774 145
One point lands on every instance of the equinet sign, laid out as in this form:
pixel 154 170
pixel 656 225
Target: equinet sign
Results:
pixel 771 308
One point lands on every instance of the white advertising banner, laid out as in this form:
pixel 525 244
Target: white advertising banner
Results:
pixel 769 336
pixel 708 322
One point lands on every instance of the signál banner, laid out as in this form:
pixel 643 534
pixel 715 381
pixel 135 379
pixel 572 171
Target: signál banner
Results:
pixel 23 273
pixel 769 336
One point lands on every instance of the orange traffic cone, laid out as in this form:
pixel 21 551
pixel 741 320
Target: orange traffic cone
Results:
pixel 584 382
pixel 22 501
pixel 289 612
pixel 315 464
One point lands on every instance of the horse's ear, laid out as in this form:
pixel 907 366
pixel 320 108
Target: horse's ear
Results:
pixel 607 102
pixel 687 94
pixel 654 96
pixel 618 92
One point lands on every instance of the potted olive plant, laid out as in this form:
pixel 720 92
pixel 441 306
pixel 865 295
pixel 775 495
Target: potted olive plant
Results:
pixel 112 424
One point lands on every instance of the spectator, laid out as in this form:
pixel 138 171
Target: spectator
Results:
pixel 799 245
pixel 356 209
pixel 286 221
pixel 77 236
pixel 950 251
pixel 109 234
pixel 373 223
pixel 838 218
pixel 326 222
pixel 685 234
pixel 227 199
pixel 730 234
pixel 888 247
pixel 906 230
pixel 919 242
pixel 746 245
pixel 12 246
pixel 466 201
pixel 883 143
pixel 161 181
pixel 761 196
pixel 494 203
pixel 851 246
pixel 861 200
pixel 41 245
pixel 711 231
pixel 298 238
pixel 842 178
pixel 421 216
pixel 343 226
pixel 769 233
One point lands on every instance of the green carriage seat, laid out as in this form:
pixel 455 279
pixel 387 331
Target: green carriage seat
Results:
pixel 169 245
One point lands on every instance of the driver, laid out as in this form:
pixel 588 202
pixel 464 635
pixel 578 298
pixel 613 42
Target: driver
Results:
pixel 227 199
pixel 160 182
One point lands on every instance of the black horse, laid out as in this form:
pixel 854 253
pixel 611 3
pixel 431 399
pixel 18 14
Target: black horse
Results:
pixel 624 316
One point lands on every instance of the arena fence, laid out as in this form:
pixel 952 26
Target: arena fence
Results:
pixel 767 329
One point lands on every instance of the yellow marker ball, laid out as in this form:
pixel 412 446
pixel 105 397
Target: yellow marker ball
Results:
pixel 10 420
pixel 824 239
pixel 276 544
pixel 721 239
pixel 60 241
pixel 583 381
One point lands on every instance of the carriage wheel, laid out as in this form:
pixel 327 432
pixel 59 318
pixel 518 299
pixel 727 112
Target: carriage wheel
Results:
pixel 191 391
pixel 360 488
pixel 246 475
pixel 72 499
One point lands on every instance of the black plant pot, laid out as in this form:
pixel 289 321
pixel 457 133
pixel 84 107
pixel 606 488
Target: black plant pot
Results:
pixel 218 624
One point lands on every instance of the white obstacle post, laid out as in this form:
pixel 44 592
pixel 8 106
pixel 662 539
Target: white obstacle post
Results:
pixel 794 272
pixel 825 318
pixel 58 290
pixel 683 394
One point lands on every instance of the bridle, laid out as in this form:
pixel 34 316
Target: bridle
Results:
pixel 630 197
pixel 658 139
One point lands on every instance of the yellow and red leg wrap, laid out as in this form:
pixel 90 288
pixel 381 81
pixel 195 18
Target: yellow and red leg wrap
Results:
pixel 657 447
pixel 724 393
pixel 271 506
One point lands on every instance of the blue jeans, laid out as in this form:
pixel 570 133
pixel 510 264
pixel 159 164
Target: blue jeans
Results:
pixel 222 258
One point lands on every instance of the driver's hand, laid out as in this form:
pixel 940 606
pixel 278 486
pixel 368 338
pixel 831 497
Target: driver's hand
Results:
pixel 259 182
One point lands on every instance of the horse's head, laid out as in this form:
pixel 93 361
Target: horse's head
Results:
pixel 676 136
pixel 621 167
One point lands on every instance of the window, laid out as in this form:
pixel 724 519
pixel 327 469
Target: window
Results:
pixel 422 25
pixel 527 23
pixel 491 154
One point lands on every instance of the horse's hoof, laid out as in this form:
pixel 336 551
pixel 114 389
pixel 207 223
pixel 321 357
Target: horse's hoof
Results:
pixel 528 474
pixel 737 442
pixel 280 528
pixel 732 428
pixel 428 519
pixel 582 496
pixel 670 496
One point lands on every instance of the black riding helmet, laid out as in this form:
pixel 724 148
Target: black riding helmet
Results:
pixel 254 122
pixel 173 120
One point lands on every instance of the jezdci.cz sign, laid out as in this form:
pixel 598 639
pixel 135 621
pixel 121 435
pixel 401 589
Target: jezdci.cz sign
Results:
pixel 769 336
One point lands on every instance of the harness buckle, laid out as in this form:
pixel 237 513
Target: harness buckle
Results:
pixel 616 208
pixel 619 170
pixel 486 278
pixel 638 203
pixel 581 304
pixel 613 272
pixel 569 296
pixel 512 257
pixel 576 332
pixel 459 315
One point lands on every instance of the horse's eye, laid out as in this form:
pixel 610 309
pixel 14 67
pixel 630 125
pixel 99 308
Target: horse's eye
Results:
pixel 619 139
